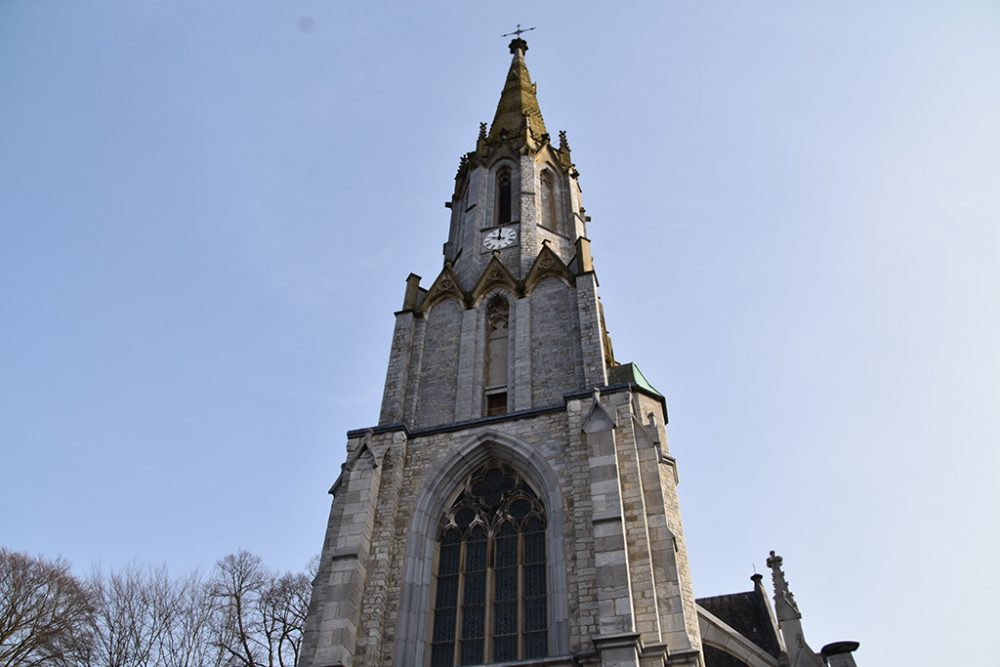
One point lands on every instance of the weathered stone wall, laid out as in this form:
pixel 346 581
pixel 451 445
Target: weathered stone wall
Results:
pixel 438 377
pixel 555 343
pixel 437 360
pixel 625 590
pixel 343 578
pixel 396 374
pixel 550 438
pixel 681 621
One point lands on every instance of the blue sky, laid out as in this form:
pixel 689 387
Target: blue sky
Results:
pixel 208 210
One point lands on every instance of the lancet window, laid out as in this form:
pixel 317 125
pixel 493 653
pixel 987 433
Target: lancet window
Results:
pixel 497 344
pixel 548 200
pixel 503 197
pixel 490 589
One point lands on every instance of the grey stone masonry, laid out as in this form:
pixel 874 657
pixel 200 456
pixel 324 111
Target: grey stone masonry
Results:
pixel 468 404
pixel 593 359
pixel 617 582
pixel 343 579
pixel 394 393
pixel 517 287
pixel 473 214
pixel 576 438
pixel 555 351
pixel 439 369
pixel 521 335
pixel 436 365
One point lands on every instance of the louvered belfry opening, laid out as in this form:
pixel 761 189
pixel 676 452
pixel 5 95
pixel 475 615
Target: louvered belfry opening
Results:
pixel 490 589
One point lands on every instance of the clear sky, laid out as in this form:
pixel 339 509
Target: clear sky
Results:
pixel 208 210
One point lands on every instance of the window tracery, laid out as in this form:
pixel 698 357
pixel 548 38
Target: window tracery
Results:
pixel 490 594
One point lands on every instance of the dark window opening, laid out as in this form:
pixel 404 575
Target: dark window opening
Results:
pixel 503 197
pixel 496 404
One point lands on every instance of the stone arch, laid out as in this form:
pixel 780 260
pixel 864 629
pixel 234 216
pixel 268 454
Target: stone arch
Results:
pixel 445 286
pixel 495 276
pixel 547 265
pixel 440 482
pixel 721 642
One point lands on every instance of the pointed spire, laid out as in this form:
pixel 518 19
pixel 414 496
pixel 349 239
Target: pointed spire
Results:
pixel 517 113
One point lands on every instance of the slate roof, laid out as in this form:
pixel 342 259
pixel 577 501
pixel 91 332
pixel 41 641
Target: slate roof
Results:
pixel 748 614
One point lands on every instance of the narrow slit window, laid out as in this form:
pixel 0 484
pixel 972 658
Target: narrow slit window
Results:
pixel 548 201
pixel 503 203
pixel 497 348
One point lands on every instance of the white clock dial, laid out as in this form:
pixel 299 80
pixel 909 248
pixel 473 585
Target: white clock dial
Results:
pixel 500 238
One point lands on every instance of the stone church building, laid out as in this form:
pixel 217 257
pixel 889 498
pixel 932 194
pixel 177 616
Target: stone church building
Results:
pixel 517 502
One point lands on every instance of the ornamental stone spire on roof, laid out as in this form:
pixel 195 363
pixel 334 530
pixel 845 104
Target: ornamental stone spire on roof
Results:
pixel 518 109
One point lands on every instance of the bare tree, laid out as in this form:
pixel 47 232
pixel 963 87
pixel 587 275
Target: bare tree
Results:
pixel 236 589
pixel 190 641
pixel 44 612
pixel 244 615
pixel 259 614
pixel 133 614
pixel 284 605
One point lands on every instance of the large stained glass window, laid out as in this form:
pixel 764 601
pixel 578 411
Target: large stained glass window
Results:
pixel 490 589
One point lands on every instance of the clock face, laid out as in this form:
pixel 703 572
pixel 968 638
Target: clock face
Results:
pixel 502 237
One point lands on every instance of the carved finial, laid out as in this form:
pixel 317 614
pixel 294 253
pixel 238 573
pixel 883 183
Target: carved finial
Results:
pixel 563 143
pixel 784 602
pixel 597 394
pixel 463 164
pixel 518 44
pixel 482 131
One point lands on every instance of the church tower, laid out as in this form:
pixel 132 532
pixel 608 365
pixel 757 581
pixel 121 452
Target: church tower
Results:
pixel 517 501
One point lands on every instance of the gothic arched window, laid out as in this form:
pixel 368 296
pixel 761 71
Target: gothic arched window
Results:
pixel 490 593
pixel 548 200
pixel 503 202
pixel 497 341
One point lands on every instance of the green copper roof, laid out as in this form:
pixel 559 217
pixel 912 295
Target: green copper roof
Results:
pixel 630 374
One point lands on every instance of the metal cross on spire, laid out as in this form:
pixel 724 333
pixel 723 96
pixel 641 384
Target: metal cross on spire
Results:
pixel 517 33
